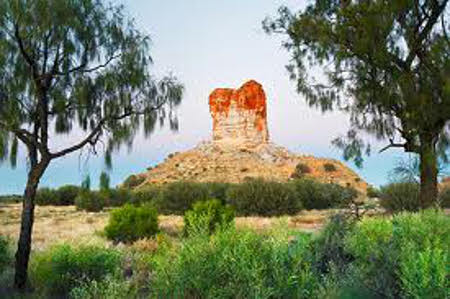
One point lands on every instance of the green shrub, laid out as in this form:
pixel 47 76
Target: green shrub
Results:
pixel 178 197
pixel 235 264
pixel 260 197
pixel 46 196
pixel 407 256
pixel 61 268
pixel 218 190
pixel 398 197
pixel 62 196
pixel 130 223
pixel 315 195
pixel 300 170
pixel 109 288
pixel 207 216
pixel 133 181
pixel 444 198
pixel 90 201
pixel 328 248
pixel 373 192
pixel 329 167
pixel 117 197
pixel 67 194
pixel 147 194
pixel 5 253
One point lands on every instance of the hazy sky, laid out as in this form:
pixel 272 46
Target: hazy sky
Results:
pixel 209 44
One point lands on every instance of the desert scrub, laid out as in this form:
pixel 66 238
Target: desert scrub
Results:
pixel 300 171
pixel 61 268
pixel 235 264
pixel 405 257
pixel 266 198
pixel 133 181
pixel 397 197
pixel 316 195
pixel 90 201
pixel 5 253
pixel 109 288
pixel 178 197
pixel 207 216
pixel 329 167
pixel 130 223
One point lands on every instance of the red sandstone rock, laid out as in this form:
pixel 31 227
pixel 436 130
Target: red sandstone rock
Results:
pixel 239 115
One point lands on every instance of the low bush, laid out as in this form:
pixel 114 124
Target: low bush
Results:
pixel 5 253
pixel 109 288
pixel 300 170
pixel 444 198
pixel 59 269
pixel 46 196
pixel 403 196
pixel 235 264
pixel 117 197
pixel 329 167
pixel 63 196
pixel 207 216
pixel 178 197
pixel 91 201
pixel 405 257
pixel 316 195
pixel 147 194
pixel 260 197
pixel 133 181
pixel 130 223
pixel 373 192
pixel 218 190
pixel 67 194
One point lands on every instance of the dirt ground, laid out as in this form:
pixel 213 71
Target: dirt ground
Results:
pixel 55 224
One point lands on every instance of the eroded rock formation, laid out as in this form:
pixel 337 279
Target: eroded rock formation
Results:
pixel 239 115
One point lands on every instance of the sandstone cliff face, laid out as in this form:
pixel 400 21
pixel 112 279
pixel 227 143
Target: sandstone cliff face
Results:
pixel 240 148
pixel 239 116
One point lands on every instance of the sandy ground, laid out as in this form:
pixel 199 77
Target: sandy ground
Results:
pixel 55 224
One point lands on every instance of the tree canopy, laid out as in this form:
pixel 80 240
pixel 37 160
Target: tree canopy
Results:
pixel 386 63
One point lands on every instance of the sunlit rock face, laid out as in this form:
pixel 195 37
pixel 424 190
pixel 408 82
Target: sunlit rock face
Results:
pixel 239 115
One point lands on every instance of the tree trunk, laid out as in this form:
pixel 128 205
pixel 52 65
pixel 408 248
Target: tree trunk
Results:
pixel 26 228
pixel 428 173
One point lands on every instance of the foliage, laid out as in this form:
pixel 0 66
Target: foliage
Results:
pixel 444 198
pixel 5 253
pixel 328 248
pixel 104 181
pixel 147 194
pixel 130 223
pixel 208 216
pixel 266 198
pixel 316 195
pixel 63 196
pixel 46 196
pixel 407 256
pixel 394 89
pixel 61 268
pixel 300 170
pixel 108 288
pixel 373 192
pixel 402 196
pixel 133 181
pixel 90 201
pixel 235 264
pixel 329 167
pixel 178 197
pixel 218 190
pixel 86 183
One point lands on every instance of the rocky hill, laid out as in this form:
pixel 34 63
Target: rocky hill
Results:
pixel 240 148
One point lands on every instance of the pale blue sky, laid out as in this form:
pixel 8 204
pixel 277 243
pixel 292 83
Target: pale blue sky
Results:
pixel 209 44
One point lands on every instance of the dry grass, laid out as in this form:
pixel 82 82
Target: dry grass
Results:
pixel 66 224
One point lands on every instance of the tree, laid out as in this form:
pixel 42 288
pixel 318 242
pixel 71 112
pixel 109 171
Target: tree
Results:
pixel 386 63
pixel 104 181
pixel 72 65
